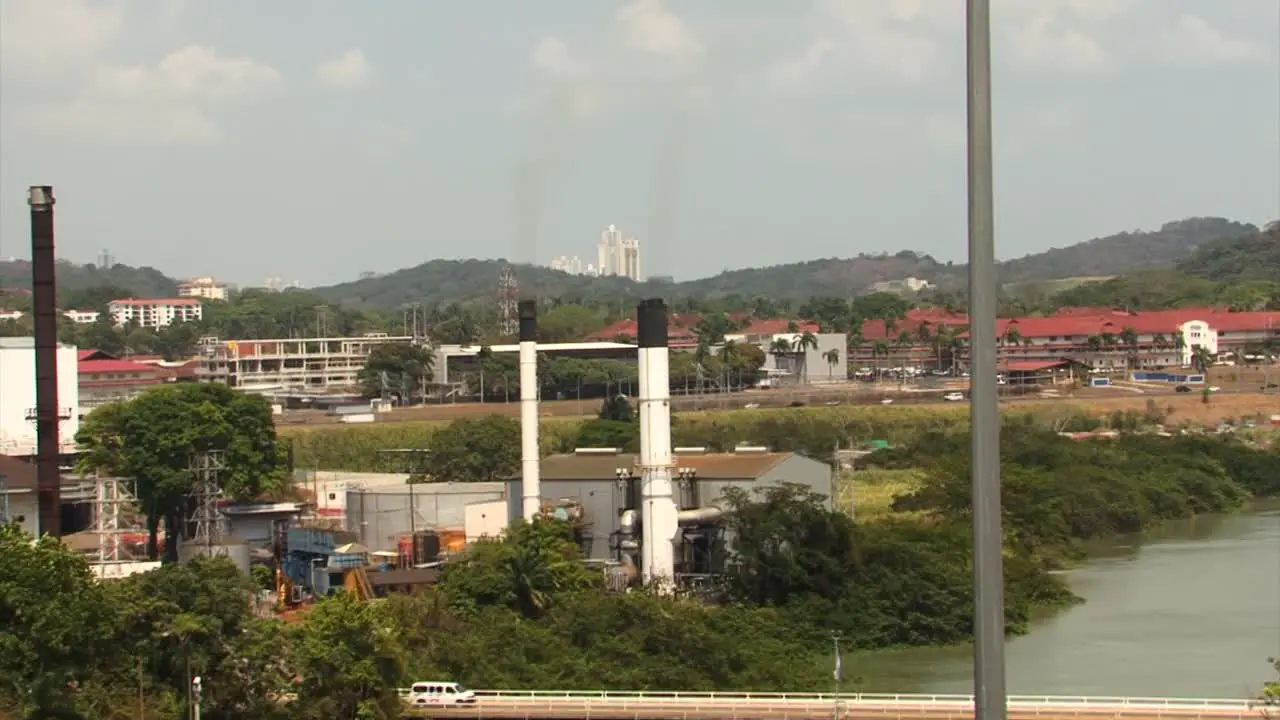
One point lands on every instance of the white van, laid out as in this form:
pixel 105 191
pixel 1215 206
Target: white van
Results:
pixel 440 693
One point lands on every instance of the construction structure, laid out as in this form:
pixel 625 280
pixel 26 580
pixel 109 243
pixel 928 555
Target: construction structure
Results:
pixel 529 452
pixel 207 538
pixel 508 301
pixel 300 366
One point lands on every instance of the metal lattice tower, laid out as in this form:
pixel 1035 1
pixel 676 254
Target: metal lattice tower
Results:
pixel 109 497
pixel 204 469
pixel 508 301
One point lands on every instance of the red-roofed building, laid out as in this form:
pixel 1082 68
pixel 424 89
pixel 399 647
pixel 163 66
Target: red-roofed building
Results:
pixel 680 332
pixel 105 378
pixel 1117 340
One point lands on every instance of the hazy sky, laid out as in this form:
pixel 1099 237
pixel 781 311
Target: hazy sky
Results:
pixel 315 139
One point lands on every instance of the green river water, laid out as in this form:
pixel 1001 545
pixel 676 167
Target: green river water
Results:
pixel 1191 609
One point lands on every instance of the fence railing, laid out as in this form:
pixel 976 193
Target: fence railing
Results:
pixel 610 697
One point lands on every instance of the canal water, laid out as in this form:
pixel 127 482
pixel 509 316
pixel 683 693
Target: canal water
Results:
pixel 1191 609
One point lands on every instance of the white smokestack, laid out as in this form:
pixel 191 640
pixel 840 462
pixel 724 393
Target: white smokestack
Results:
pixel 657 508
pixel 530 482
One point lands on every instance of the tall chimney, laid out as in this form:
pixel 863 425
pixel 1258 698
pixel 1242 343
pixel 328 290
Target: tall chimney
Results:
pixel 530 483
pixel 657 508
pixel 44 305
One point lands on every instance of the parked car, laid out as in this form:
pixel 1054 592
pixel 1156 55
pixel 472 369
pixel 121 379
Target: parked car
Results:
pixel 1182 388
pixel 953 397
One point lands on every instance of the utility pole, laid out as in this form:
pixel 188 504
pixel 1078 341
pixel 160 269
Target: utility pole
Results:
pixel 989 694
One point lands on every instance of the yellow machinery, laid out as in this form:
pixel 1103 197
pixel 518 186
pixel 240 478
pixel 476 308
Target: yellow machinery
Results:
pixel 356 582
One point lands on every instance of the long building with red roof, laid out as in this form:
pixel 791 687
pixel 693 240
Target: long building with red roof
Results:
pixel 1107 340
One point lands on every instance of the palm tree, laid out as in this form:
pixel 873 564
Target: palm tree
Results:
pixel 802 344
pixel 878 350
pixel 1201 359
pixel 1129 338
pixel 832 357
pixel 779 349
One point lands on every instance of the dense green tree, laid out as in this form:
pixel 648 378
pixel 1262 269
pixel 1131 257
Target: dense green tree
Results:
pixel 397 370
pixel 484 449
pixel 525 571
pixel 155 437
pixel 350 663
pixel 57 621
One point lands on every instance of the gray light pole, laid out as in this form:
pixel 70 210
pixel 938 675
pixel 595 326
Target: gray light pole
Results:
pixel 990 699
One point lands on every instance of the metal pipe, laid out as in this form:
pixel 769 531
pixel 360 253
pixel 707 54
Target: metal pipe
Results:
pixel 990 699
pixel 44 305
pixel 658 524
pixel 530 481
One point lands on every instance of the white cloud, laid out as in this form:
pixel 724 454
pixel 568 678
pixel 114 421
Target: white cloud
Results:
pixel 195 73
pixel 1046 41
pixel 906 40
pixel 1193 40
pixel 351 69
pixel 39 35
pixel 166 103
pixel 648 26
pixel 552 56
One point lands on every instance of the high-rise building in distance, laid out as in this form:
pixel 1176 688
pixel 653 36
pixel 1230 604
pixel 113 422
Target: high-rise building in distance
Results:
pixel 618 255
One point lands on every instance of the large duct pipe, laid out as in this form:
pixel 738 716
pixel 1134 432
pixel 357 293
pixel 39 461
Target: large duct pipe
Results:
pixel 530 482
pixel 44 305
pixel 657 508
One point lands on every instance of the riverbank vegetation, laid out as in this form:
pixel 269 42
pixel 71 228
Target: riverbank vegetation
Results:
pixel 522 612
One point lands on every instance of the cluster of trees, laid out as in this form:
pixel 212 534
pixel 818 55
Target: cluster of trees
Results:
pixel 522 611
pixel 408 372
pixel 156 438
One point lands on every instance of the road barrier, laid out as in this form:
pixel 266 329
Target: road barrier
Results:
pixel 676 705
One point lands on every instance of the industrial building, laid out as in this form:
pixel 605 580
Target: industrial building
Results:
pixel 18 396
pixel 290 365
pixel 597 487
pixel 18 502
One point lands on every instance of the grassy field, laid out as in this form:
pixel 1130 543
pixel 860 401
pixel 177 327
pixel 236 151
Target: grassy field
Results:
pixel 1186 407
pixel 868 495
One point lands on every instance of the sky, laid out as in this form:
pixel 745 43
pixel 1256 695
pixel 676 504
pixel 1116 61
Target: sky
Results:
pixel 313 140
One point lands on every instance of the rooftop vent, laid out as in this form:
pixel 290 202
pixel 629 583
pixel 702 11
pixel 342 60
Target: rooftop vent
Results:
pixel 701 450
pixel 744 449
pixel 597 451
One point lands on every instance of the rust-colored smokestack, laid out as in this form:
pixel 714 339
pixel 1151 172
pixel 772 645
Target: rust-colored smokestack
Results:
pixel 44 305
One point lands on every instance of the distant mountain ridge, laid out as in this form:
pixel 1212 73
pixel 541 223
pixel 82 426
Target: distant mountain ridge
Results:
pixel 445 281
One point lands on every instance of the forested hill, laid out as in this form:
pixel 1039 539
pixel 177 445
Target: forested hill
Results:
pixel 73 278
pixel 1242 273
pixel 445 281
pixel 1125 251
pixel 450 280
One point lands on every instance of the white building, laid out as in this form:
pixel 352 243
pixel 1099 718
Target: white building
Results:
pixel 616 255
pixel 155 312
pixel 568 264
pixel 18 396
pixel 202 287
pixel 82 317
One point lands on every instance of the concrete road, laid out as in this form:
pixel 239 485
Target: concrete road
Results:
pixel 710 709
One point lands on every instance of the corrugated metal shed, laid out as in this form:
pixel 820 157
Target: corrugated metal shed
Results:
pixel 719 466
